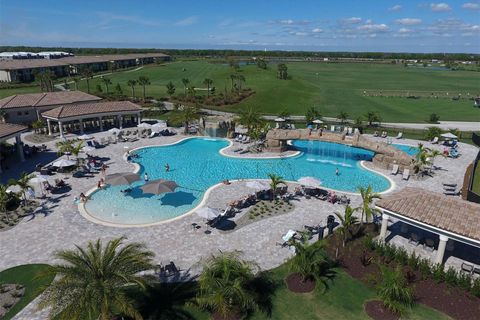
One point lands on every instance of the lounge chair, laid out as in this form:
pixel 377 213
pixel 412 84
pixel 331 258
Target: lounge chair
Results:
pixel 467 268
pixel 434 140
pixel 375 134
pixel 399 135
pixel 414 239
pixel 239 138
pixel 429 245
pixel 292 126
pixel 406 174
pixel 450 193
pixel 152 135
pixel 394 169
pixel 384 134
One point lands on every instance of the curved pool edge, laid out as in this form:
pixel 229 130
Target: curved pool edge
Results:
pixel 393 185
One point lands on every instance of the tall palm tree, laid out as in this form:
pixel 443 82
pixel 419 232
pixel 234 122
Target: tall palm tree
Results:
pixel 65 147
pixel 343 116
pixel 106 82
pixel 311 261
pixel 347 220
pixel 225 285
pixel 312 114
pixel 23 183
pixel 372 117
pixel 367 198
pixel 275 181
pixel 422 159
pixel 92 282
pixel 185 82
pixel 250 119
pixel 187 114
pixel 132 83
pixel 143 81
pixel 87 74
pixel 208 82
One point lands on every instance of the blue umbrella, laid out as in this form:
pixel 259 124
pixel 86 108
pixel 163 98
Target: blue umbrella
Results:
pixel 177 199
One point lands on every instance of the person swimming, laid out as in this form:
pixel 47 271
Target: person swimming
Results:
pixel 145 177
pixel 337 172
pixel 167 168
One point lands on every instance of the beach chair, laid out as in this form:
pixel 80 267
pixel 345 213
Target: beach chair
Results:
pixel 399 135
pixel 414 239
pixel 394 169
pixel 429 245
pixel 467 268
pixel 375 134
pixel 152 135
pixel 238 138
pixel 453 185
pixel 434 140
pixel 406 174
pixel 292 126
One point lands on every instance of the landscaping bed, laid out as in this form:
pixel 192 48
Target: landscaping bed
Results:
pixel 14 216
pixel 262 210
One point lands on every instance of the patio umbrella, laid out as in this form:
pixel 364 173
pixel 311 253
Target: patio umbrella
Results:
pixel 157 127
pixel 448 135
pixel 116 179
pixel 39 179
pixel 279 120
pixel 144 125
pixel 178 199
pixel 257 185
pixel 208 213
pixel 114 130
pixel 317 121
pixel 310 181
pixel 85 137
pixel 159 186
pixel 62 163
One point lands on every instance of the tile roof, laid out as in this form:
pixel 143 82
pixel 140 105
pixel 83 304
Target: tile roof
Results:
pixel 444 212
pixel 8 129
pixel 84 109
pixel 45 99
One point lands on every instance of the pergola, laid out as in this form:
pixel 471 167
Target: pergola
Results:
pixel 449 217
pixel 78 113
pixel 10 130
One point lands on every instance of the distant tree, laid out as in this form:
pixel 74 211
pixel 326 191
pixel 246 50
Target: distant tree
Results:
pixel 432 132
pixel 185 82
pixel 132 83
pixel 191 91
pixel 240 80
pixel 187 114
pixel 106 82
pixel 143 81
pixel 76 80
pixel 261 64
pixel 99 88
pixel 87 74
pixel 372 117
pixel 434 118
pixel 342 116
pixel 233 77
pixel 312 114
pixel 118 89
pixel 170 88
pixel 282 71
pixel 208 82
pixel 284 114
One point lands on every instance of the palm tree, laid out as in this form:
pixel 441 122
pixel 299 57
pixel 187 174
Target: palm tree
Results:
pixel 65 147
pixel 191 91
pixel 132 83
pixel 187 114
pixel 311 262
pixel 393 289
pixel 76 80
pixel 433 154
pixel 75 150
pixel 250 119
pixel 275 181
pixel 422 159
pixel 143 81
pixel 312 114
pixel 106 82
pixel 343 116
pixel 4 198
pixel 241 80
pixel 233 77
pixel 372 117
pixel 208 82
pixel 367 198
pixel 170 88
pixel 23 183
pixel 347 220
pixel 185 82
pixel 282 71
pixel 87 74
pixel 225 285
pixel 37 125
pixel 92 282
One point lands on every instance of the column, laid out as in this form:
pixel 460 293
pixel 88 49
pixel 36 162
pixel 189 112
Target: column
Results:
pixel 60 127
pixel 101 123
pixel 20 148
pixel 80 121
pixel 383 229
pixel 49 125
pixel 139 119
pixel 120 122
pixel 441 249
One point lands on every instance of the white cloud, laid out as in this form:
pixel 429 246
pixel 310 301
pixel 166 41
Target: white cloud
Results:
pixel 187 21
pixel 369 21
pixel 291 22
pixel 440 7
pixel 408 21
pixel 301 34
pixel 317 30
pixel 405 30
pixel 372 28
pixel 396 7
pixel 352 20
pixel 471 6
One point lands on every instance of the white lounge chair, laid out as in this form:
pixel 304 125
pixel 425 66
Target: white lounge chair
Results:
pixel 332 128
pixel 399 135
pixel 153 134
pixel 292 126
pixel 406 174
pixel 434 140
pixel 394 169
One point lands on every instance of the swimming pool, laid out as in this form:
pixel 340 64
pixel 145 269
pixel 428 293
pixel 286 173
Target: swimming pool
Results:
pixel 410 150
pixel 196 165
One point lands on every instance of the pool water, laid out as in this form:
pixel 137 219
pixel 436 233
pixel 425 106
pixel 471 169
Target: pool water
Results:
pixel 196 165
pixel 410 150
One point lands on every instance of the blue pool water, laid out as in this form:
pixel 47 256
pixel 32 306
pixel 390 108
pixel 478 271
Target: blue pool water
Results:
pixel 196 165
pixel 406 148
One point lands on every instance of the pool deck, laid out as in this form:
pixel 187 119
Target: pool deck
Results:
pixel 60 226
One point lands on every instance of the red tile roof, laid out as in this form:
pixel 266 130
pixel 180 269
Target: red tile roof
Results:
pixel 8 129
pixel 46 99
pixel 444 212
pixel 84 109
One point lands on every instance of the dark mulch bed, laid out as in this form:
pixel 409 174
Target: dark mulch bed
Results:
pixel 454 302
pixel 295 284
pixel 377 311
pixel 232 316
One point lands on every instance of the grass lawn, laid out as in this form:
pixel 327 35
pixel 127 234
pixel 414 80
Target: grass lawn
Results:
pixel 25 275
pixel 343 300
pixel 476 180
pixel 11 91
pixel 331 87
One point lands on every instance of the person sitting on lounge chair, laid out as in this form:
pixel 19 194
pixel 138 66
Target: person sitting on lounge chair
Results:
pixel 60 183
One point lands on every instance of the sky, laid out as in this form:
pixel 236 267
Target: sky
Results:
pixel 311 25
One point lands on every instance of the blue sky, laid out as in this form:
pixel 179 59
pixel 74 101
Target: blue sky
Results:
pixel 342 25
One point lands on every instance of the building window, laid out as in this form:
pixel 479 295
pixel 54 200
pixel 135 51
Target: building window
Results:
pixel 26 113
pixel 19 113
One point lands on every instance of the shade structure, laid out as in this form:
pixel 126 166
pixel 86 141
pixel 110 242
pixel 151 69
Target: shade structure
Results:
pixel 310 181
pixel 62 163
pixel 144 125
pixel 448 135
pixel 116 179
pixel 208 213
pixel 85 137
pixel 317 121
pixel 279 120
pixel 114 130
pixel 159 186
pixel 257 185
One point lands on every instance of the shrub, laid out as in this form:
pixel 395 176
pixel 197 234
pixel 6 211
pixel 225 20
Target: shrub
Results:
pixel 438 273
pixel 424 267
pixel 401 256
pixel 369 243
pixel 413 260
pixel 475 290
pixel 394 291
pixel 390 252
pixel 365 258
pixel 464 281
pixel 451 276
pixel 434 118
pixel 433 132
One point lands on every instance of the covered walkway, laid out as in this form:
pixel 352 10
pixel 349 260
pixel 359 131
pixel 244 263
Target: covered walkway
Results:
pixel 8 131
pixel 451 218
